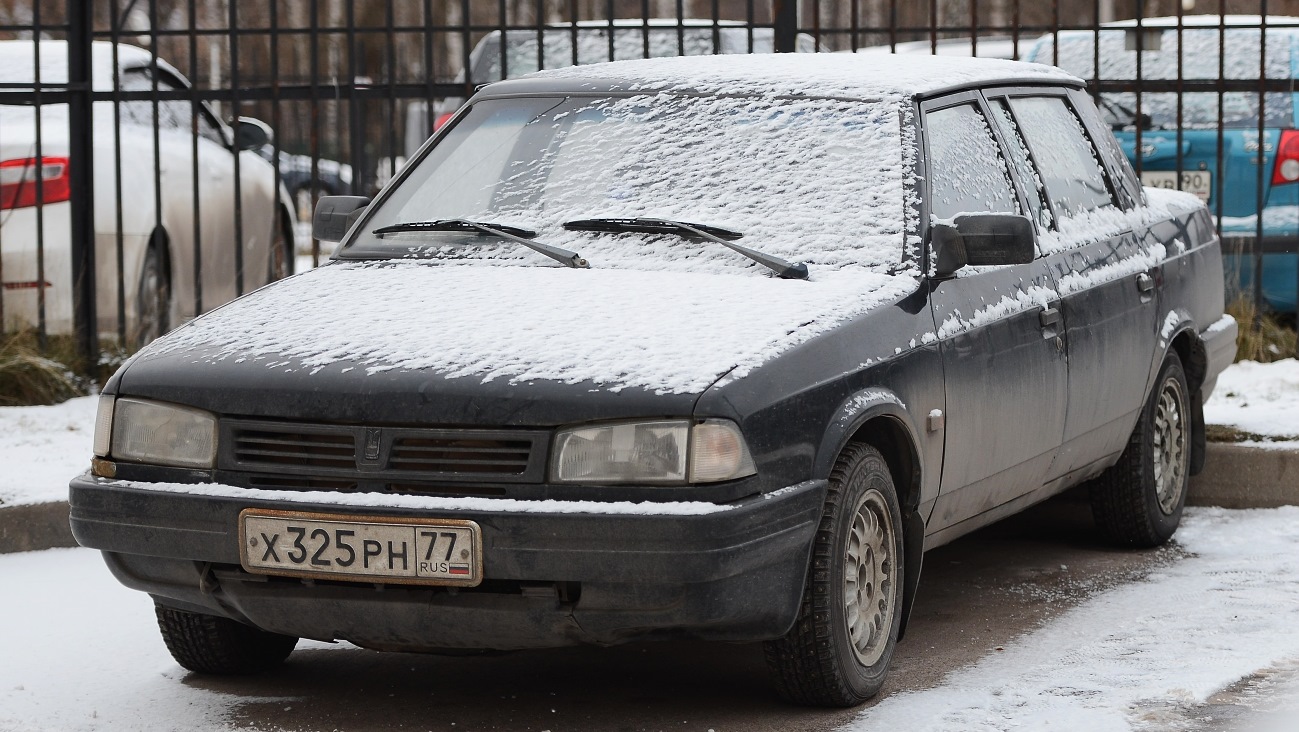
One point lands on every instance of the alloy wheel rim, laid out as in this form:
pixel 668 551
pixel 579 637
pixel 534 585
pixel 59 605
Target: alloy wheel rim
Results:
pixel 870 574
pixel 1168 446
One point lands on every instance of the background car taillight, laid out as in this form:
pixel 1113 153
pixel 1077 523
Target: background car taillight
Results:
pixel 1286 169
pixel 442 119
pixel 19 182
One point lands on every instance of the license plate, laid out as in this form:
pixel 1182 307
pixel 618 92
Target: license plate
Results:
pixel 361 548
pixel 1199 182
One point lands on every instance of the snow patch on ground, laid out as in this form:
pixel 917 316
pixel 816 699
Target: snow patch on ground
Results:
pixel 83 653
pixel 1259 398
pixel 1184 633
pixel 43 448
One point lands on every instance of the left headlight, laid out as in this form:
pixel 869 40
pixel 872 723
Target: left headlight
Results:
pixel 160 434
pixel 662 452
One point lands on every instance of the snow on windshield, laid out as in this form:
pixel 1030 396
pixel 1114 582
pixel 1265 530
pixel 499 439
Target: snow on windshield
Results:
pixel 1240 54
pixel 817 181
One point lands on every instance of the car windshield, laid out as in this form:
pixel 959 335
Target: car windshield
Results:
pixel 810 180
pixel 522 57
pixel 1199 58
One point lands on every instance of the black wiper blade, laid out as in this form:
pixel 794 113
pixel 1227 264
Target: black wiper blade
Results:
pixel 782 268
pixel 511 233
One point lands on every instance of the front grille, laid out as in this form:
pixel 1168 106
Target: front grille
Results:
pixel 428 455
pixel 295 448
pixel 404 459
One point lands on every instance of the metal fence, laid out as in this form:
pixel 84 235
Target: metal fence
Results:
pixel 136 192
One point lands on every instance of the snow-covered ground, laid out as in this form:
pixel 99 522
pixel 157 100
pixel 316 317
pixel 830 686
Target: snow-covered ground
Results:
pixel 81 652
pixel 1141 655
pixel 1259 398
pixel 44 447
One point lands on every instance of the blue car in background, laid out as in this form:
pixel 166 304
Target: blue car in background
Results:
pixel 1232 191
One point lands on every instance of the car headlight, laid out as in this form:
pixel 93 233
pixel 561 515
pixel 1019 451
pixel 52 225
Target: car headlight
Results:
pixel 156 433
pixel 669 452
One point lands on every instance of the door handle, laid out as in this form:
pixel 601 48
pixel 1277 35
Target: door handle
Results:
pixel 1049 317
pixel 1145 282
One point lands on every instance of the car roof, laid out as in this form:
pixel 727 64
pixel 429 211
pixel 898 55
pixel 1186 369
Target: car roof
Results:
pixel 18 62
pixel 852 76
pixel 1201 21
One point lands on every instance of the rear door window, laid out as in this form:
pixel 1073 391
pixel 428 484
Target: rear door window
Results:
pixel 1022 160
pixel 966 170
pixel 1070 168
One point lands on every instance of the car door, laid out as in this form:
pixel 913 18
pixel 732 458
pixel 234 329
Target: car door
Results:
pixel 1106 272
pixel 1003 353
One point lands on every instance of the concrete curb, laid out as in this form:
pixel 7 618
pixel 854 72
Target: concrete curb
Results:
pixel 1235 476
pixel 34 527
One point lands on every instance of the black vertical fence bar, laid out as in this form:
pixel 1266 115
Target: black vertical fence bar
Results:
pixel 933 26
pixel 717 27
pixel 974 28
pixel 785 17
pixel 1181 163
pixel 276 152
pixel 1140 46
pixel 119 243
pixel 681 28
pixel 855 20
pixel 1222 77
pixel 234 119
pixel 80 17
pixel 356 133
pixel 42 330
pixel 1262 160
pixel 313 75
pixel 572 33
pixel 196 203
pixel 644 29
pixel 1096 48
pixel 391 127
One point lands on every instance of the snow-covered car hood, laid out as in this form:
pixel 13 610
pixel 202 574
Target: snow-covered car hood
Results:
pixel 664 332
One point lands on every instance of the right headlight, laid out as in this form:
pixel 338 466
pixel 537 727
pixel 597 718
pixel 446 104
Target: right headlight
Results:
pixel 152 432
pixel 660 452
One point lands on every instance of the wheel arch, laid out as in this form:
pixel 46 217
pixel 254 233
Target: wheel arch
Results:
pixel 878 417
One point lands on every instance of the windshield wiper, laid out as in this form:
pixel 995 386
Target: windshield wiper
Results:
pixel 511 233
pixel 1118 108
pixel 783 268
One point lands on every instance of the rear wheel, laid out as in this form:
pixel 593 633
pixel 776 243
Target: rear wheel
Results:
pixel 211 645
pixel 152 298
pixel 281 261
pixel 838 652
pixel 1138 502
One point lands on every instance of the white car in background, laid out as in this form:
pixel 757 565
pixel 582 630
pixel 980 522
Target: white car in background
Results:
pixel 177 229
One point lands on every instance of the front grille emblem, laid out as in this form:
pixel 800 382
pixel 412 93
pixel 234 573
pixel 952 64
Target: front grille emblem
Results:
pixel 372 439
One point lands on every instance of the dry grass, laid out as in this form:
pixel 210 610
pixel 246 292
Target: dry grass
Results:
pixel 1263 338
pixel 28 378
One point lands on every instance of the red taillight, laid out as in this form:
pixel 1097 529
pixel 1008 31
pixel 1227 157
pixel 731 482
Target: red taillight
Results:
pixel 441 120
pixel 18 182
pixel 1286 169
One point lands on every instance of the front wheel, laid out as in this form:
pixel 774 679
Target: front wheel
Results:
pixel 153 298
pixel 1138 502
pixel 211 645
pixel 838 652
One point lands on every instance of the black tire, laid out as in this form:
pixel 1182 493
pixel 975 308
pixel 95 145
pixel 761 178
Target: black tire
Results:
pixel 152 298
pixel 282 250
pixel 1138 502
pixel 207 644
pixel 818 663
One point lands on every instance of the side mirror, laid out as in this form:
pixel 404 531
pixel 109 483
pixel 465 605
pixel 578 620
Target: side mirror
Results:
pixel 251 134
pixel 335 215
pixel 981 240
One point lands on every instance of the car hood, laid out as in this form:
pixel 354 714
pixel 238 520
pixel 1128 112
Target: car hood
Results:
pixel 479 343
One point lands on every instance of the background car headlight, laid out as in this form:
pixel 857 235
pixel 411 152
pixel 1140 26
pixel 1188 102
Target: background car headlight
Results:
pixel 669 451
pixel 162 434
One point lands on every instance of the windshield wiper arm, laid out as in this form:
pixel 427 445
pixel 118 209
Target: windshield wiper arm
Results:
pixel 783 268
pixel 512 233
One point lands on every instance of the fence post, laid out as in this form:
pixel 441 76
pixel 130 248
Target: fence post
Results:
pixel 81 183
pixel 785 15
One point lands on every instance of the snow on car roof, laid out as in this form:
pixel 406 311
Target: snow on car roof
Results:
pixel 857 76
pixel 1190 21
pixel 18 62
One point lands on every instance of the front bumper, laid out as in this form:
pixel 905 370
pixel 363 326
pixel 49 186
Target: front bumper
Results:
pixel 551 578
